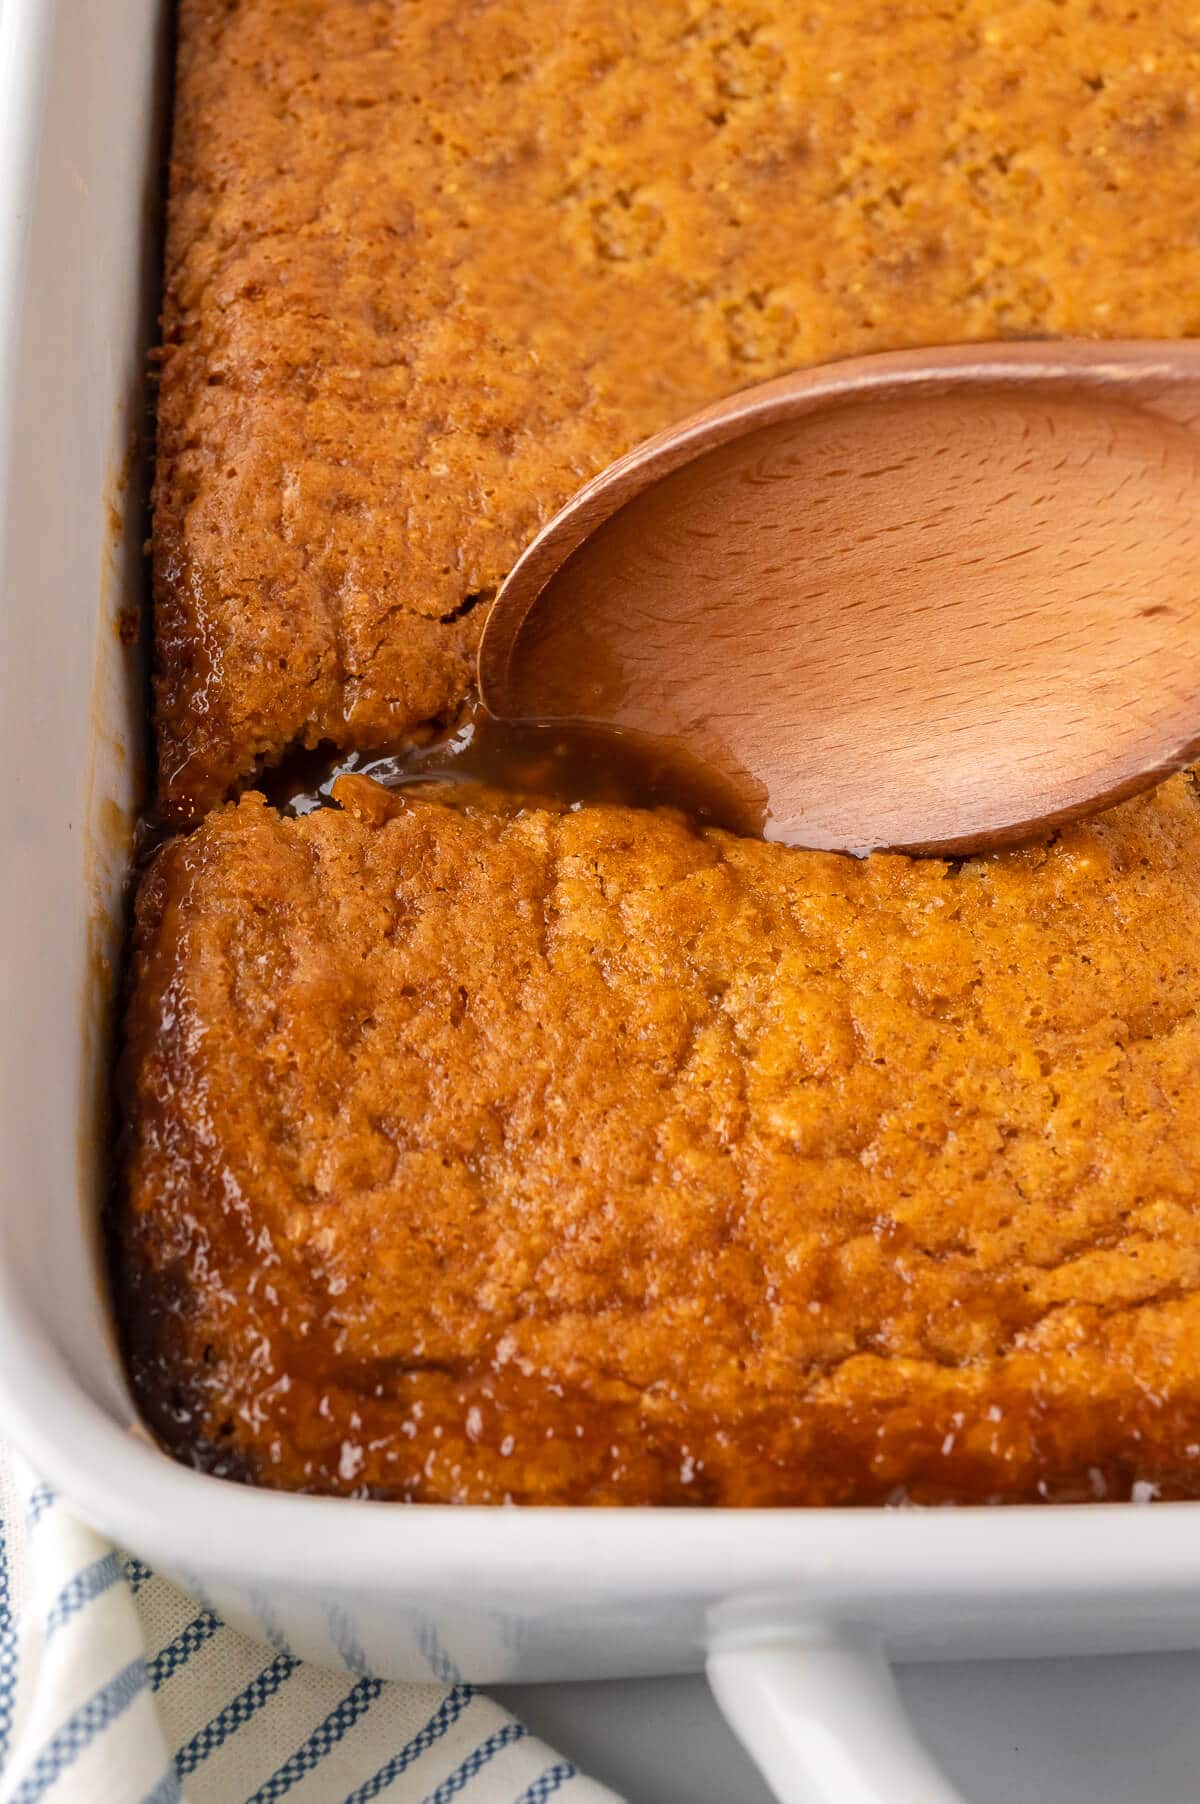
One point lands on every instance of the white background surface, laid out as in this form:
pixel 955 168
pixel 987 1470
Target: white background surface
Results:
pixel 1108 1731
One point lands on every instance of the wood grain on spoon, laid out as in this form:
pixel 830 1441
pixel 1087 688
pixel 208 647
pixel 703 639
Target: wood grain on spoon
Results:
pixel 927 600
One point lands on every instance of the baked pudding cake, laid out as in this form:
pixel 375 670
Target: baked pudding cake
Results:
pixel 483 1150
pixel 583 1157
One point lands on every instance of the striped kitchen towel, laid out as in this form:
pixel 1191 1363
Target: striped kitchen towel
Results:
pixel 116 1688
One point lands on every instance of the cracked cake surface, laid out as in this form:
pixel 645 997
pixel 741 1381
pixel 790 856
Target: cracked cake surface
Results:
pixel 432 265
pixel 579 1156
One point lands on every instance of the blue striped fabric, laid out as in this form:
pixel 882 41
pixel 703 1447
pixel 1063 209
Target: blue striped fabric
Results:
pixel 8 1650
pixel 167 1791
pixel 79 1591
pixel 443 1719
pixel 325 1736
pixel 41 1499
pixel 440 1664
pixel 267 1622
pixel 170 1659
pixel 79 1732
pixel 475 1763
pixel 137 1574
pixel 341 1633
pixel 236 1713
pixel 103 1697
pixel 547 1783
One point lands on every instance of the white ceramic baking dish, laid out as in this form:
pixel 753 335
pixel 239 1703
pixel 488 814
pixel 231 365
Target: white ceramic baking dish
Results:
pixel 795 1613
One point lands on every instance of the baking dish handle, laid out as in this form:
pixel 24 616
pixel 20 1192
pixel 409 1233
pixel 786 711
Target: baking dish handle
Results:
pixel 818 1711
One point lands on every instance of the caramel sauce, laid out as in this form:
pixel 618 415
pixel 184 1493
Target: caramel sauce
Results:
pixel 569 762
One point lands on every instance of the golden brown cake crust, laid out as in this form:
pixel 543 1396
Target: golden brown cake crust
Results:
pixel 431 265
pixel 578 1157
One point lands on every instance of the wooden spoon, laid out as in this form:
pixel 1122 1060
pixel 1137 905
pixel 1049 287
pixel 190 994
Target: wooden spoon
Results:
pixel 931 600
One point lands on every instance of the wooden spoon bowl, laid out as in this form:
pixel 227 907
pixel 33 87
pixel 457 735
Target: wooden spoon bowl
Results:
pixel 933 601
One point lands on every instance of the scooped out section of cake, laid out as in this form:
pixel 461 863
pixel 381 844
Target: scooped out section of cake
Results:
pixel 557 1156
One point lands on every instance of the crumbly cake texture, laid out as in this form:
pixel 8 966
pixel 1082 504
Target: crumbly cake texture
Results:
pixel 432 265
pixel 582 1157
